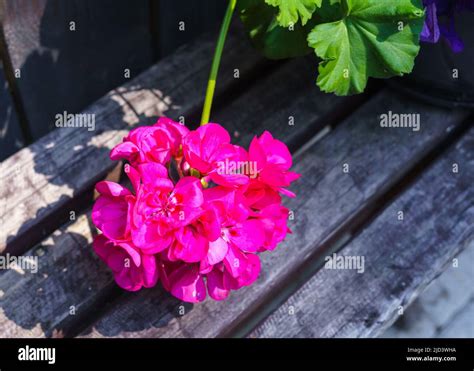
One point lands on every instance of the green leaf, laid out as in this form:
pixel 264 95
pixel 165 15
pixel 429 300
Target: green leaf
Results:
pixel 372 38
pixel 292 10
pixel 274 41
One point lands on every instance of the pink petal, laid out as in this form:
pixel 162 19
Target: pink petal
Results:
pixel 166 122
pixel 129 279
pixel 212 136
pixel 257 154
pixel 228 203
pixel 204 266
pixel 110 214
pixel 187 284
pixel 217 251
pixel 147 238
pixel 287 193
pixel 155 175
pixel 132 252
pixel 249 236
pixel 252 270
pixel 277 152
pixel 133 175
pixel 215 285
pixel 258 195
pixel 189 190
pixel 192 152
pixel 125 150
pixel 150 270
pixel 189 246
pixel 230 166
pixel 235 261
pixel 107 188
pixel 165 268
pixel 118 260
pixel 101 246
pixel 210 224
pixel 243 271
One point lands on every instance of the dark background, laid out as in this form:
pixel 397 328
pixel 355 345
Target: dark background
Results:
pixel 63 70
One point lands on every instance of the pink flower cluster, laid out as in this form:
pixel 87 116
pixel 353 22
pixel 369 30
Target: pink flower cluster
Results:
pixel 202 231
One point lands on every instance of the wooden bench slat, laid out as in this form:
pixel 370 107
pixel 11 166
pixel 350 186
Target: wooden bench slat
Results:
pixel 71 248
pixel 401 258
pixel 31 306
pixel 328 198
pixel 44 181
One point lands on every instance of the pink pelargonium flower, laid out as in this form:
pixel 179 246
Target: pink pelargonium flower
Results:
pixel 131 268
pixel 162 207
pixel 111 211
pixel 157 143
pixel 273 160
pixel 209 151
pixel 196 241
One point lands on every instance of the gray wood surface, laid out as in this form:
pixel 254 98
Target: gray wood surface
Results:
pixel 70 247
pixel 328 199
pixel 444 307
pixel 55 174
pixel 51 300
pixel 401 258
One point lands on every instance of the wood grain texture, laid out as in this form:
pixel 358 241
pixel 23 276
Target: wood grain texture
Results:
pixel 327 199
pixel 55 174
pixel 31 306
pixel 71 245
pixel 11 138
pixel 72 52
pixel 401 258
pixel 445 299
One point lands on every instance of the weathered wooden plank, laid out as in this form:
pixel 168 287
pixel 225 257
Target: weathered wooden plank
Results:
pixel 401 258
pixel 70 53
pixel 327 200
pixel 71 245
pixel 11 138
pixel 39 308
pixel 445 299
pixel 44 178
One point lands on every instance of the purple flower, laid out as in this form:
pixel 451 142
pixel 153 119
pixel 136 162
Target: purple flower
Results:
pixel 440 21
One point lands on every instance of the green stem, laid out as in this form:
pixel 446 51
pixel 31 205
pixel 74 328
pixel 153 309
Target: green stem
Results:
pixel 211 84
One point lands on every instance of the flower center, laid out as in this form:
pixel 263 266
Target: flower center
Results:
pixel 164 207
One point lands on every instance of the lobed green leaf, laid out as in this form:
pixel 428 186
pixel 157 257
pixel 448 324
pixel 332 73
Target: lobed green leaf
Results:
pixel 373 38
pixel 290 11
